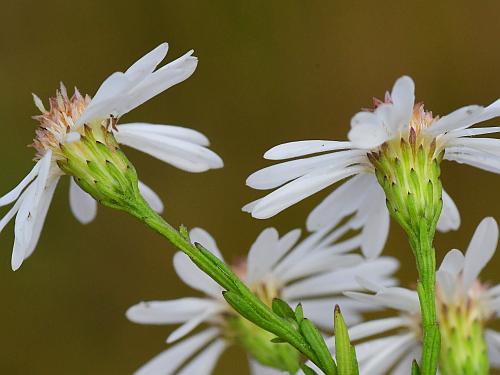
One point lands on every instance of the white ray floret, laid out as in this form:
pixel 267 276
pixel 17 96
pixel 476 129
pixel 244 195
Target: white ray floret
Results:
pixel 307 271
pixel 64 123
pixel 458 289
pixel 321 163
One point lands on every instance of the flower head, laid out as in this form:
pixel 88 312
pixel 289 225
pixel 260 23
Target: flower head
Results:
pixel 79 136
pixel 314 271
pixel 466 305
pixel 393 124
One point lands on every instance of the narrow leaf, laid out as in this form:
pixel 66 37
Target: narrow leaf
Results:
pixel 282 309
pixel 299 313
pixel 246 309
pixel 314 338
pixel 307 370
pixel 345 353
pixel 415 370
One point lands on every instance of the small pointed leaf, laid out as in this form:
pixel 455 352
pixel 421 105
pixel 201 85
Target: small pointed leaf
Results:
pixel 282 309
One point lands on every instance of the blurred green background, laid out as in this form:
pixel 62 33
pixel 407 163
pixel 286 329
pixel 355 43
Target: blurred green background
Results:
pixel 269 72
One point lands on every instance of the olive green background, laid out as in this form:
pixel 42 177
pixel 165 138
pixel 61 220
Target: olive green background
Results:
pixel 269 72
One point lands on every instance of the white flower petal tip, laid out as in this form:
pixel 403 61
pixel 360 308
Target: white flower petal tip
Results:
pixel 123 91
pixel 404 88
pixel 481 249
pixel 250 206
pixel 450 216
pixel 83 206
pixel 16 262
pixel 301 148
pixel 151 197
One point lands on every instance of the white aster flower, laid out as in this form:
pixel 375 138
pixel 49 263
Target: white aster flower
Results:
pixel 65 122
pixel 465 307
pixel 314 271
pixel 397 119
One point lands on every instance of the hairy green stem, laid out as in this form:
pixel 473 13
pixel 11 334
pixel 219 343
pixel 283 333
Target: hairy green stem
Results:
pixel 426 265
pixel 219 272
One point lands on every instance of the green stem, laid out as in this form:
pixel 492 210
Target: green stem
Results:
pixel 218 271
pixel 426 265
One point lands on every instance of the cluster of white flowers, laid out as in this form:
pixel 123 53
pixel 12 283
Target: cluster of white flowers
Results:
pixel 313 272
pixel 337 262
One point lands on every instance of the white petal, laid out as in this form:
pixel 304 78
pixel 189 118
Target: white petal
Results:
pixel 266 251
pixel 120 83
pixel 31 211
pixel 106 101
pixel 481 248
pixel 299 189
pixel 167 362
pixel 250 206
pixel 317 263
pixel 453 262
pixel 473 157
pixel 460 118
pixel 122 92
pixel 146 64
pixel 341 279
pixel 204 363
pixel 169 312
pixel 403 99
pixel 306 246
pixel 376 229
pixel 490 145
pixel 83 206
pixel 167 76
pixel 406 363
pixel 151 197
pixel 201 236
pixel 367 132
pixel 450 217
pixel 320 310
pixel 177 132
pixel 491 111
pixel 257 369
pixel 371 348
pixel 279 174
pixel 301 148
pixel 342 202
pixel 194 277
pixel 474 131
pixel 194 322
pixel 13 210
pixel 12 195
pixel 376 327
pixel 389 355
pixel 184 155
pixel 394 298
pixel 41 214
